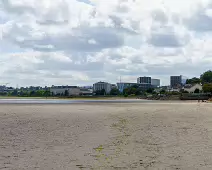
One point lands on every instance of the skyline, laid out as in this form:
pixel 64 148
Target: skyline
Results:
pixel 56 85
pixel 86 41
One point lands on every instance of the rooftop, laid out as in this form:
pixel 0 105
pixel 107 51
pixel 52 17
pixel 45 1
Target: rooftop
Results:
pixel 63 87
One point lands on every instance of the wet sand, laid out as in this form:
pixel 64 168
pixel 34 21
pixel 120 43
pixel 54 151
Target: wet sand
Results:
pixel 106 136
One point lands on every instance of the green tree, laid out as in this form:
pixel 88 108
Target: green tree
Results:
pixel 32 93
pixel 126 91
pixel 24 93
pixel 39 93
pixel 206 77
pixel 162 91
pixel 193 80
pixel 100 92
pixel 114 91
pixel 103 92
pixel 150 90
pixel 3 93
pixel 47 93
pixel 21 93
pixel 138 91
pixel 207 88
pixel 15 92
pixel 196 91
pixel 66 93
pixel 132 90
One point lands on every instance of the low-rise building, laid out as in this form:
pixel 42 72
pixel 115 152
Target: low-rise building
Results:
pixel 191 88
pixel 113 86
pixel 9 89
pixel 175 89
pixel 102 86
pixel 166 88
pixel 34 88
pixel 3 88
pixel 86 91
pixel 65 90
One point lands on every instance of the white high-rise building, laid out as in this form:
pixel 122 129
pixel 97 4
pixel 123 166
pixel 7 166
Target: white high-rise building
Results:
pixel 155 82
pixel 102 85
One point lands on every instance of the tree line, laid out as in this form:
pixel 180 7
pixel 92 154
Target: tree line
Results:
pixel 131 90
pixel 27 93
pixel 205 79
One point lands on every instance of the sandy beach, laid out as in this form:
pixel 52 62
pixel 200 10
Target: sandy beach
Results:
pixel 106 136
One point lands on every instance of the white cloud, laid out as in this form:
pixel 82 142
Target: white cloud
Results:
pixel 83 41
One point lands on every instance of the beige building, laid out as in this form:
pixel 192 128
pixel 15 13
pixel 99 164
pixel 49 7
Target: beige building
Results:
pixel 61 90
pixel 191 88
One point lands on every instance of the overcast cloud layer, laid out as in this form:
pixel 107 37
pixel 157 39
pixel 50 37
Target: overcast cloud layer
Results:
pixel 45 42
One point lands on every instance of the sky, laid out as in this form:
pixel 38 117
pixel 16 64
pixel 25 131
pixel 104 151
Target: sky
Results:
pixel 80 42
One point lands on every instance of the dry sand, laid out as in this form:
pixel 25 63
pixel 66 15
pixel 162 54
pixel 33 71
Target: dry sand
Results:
pixel 106 136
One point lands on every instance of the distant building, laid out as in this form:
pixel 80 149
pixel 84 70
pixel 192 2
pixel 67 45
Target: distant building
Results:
pixel 45 88
pixel 86 91
pixel 61 90
pixel 144 80
pixel 144 83
pixel 3 88
pixel 102 85
pixel 155 83
pixel 9 89
pixel 34 88
pixel 191 88
pixel 122 86
pixel 144 87
pixel 177 81
pixel 87 87
pixel 166 88
pixel 113 86
pixel 175 89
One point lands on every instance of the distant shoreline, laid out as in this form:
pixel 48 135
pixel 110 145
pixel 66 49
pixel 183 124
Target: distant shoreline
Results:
pixel 68 98
pixel 92 98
